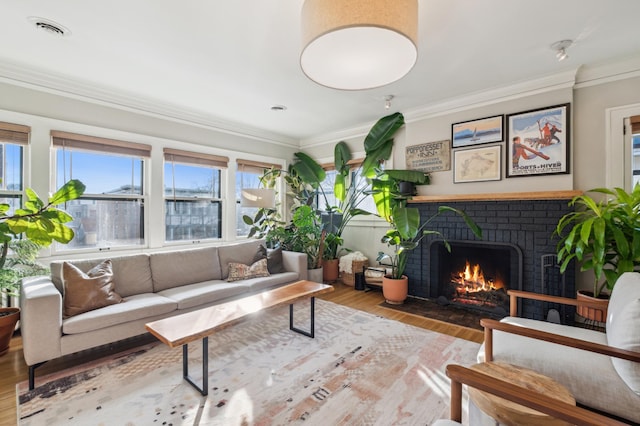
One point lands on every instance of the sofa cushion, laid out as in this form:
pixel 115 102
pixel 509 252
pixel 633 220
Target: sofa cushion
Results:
pixel 182 267
pixel 86 292
pixel 240 271
pixel 624 310
pixel 259 284
pixel 239 253
pixel 131 274
pixel 208 292
pixel 275 263
pixel 590 377
pixel 135 307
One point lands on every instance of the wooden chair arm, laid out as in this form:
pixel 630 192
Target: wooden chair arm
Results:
pixel 561 410
pixel 515 294
pixel 490 325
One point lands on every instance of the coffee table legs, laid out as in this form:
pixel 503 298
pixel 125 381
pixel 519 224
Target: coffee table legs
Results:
pixel 204 390
pixel 313 322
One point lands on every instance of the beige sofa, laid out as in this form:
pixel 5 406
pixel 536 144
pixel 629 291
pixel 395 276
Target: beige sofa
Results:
pixel 153 286
pixel 603 381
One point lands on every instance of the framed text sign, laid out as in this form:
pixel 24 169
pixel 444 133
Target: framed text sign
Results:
pixel 429 157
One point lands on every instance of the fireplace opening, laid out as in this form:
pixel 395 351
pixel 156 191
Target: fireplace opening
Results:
pixel 475 275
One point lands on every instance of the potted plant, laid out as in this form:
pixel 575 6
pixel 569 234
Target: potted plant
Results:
pixel 604 236
pixel 23 263
pixel 406 228
pixel 40 223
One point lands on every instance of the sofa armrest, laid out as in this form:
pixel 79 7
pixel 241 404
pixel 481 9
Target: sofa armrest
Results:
pixel 515 294
pixel 295 262
pixel 490 325
pixel 40 319
pixel 460 375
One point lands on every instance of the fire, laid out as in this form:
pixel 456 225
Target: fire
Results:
pixel 472 279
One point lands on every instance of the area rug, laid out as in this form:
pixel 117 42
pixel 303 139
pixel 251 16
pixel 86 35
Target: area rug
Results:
pixel 449 313
pixel 359 369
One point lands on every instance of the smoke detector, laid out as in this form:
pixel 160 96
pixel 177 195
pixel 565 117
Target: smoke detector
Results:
pixel 49 26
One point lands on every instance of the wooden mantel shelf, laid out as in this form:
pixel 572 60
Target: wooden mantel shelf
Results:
pixel 498 196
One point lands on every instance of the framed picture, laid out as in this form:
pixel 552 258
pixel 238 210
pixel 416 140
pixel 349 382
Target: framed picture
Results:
pixel 477 164
pixel 538 142
pixel 429 157
pixel 475 132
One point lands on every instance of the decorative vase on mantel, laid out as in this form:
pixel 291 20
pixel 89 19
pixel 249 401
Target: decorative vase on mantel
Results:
pixel 592 314
pixel 395 290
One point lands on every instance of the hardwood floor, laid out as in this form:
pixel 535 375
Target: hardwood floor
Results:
pixel 14 370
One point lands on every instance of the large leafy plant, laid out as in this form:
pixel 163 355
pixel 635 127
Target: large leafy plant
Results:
pixel 407 230
pixel 38 222
pixel 603 235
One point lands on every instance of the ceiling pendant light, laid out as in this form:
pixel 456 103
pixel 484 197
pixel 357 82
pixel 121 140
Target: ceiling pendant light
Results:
pixel 358 44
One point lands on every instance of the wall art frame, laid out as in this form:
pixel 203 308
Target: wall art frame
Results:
pixel 477 164
pixel 538 141
pixel 479 131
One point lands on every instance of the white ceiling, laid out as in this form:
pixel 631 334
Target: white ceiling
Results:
pixel 226 63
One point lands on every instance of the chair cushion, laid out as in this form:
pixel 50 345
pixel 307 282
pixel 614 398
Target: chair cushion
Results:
pixel 623 326
pixel 85 292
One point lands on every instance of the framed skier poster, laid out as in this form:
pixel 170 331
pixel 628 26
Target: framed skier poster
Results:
pixel 538 142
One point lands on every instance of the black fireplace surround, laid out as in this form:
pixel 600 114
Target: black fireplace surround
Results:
pixel 527 224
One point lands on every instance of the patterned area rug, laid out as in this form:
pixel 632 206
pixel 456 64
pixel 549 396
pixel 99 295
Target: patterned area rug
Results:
pixel 359 370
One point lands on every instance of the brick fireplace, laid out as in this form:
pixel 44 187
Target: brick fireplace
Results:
pixel 526 224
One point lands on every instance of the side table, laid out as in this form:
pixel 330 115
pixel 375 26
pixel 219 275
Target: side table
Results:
pixel 509 413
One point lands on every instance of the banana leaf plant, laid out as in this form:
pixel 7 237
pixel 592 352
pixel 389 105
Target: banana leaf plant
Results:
pixel 603 236
pixel 406 228
pixel 39 222
pixel 350 189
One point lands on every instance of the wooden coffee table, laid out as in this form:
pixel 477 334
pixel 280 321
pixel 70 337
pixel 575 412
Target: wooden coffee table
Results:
pixel 510 413
pixel 180 330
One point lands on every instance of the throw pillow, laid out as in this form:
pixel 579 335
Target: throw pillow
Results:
pixel 240 271
pixel 86 292
pixel 274 259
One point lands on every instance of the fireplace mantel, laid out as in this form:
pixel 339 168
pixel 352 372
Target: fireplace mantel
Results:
pixel 498 196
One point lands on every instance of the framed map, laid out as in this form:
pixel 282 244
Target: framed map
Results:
pixel 477 164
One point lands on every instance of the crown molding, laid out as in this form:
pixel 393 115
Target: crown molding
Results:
pixel 606 72
pixel 56 84
pixel 492 96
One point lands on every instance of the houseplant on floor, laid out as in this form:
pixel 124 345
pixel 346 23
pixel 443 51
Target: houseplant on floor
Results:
pixel 40 223
pixel 604 236
pixel 406 228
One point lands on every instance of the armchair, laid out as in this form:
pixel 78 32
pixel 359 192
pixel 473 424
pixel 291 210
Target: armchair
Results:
pixel 601 370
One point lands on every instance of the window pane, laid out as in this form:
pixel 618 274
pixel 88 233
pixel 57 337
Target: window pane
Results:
pixel 193 220
pixel 191 181
pixel 105 223
pixel 327 187
pixel 636 159
pixel 101 173
pixel 245 180
pixel 13 201
pixel 11 167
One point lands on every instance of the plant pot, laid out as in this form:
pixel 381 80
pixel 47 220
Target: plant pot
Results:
pixel 8 320
pixel 330 270
pixel 395 291
pixel 315 275
pixel 592 314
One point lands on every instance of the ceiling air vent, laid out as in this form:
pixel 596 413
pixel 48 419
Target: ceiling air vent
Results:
pixel 48 26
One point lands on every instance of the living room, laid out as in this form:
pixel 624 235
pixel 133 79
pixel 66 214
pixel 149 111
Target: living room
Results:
pixel 170 111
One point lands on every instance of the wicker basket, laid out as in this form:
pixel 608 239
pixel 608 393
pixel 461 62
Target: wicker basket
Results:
pixel 356 266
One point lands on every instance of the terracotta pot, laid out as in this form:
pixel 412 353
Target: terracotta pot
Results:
pixel 330 270
pixel 593 314
pixel 7 327
pixel 395 290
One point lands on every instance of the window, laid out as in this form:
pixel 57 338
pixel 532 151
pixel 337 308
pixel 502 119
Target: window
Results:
pixel 357 182
pixel 193 203
pixel 111 211
pixel 12 139
pixel 248 177
pixel 635 141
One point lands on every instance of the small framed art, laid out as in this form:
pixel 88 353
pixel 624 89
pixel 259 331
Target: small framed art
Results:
pixel 538 142
pixel 477 164
pixel 475 132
